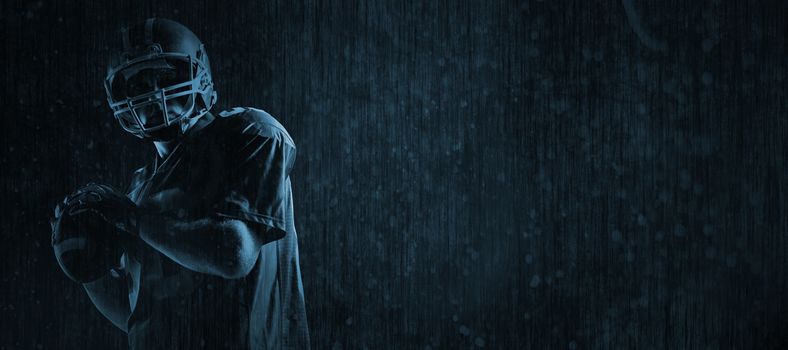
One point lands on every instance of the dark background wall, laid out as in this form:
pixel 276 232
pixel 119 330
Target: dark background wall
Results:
pixel 562 174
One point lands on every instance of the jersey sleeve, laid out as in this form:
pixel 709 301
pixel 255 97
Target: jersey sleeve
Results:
pixel 257 187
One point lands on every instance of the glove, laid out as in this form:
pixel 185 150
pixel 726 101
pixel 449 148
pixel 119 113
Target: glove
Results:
pixel 110 204
pixel 88 230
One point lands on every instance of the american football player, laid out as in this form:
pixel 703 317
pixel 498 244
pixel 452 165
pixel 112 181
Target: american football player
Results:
pixel 201 251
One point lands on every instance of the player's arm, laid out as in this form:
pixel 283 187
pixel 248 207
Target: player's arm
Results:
pixel 226 241
pixel 110 296
pixel 87 247
pixel 221 247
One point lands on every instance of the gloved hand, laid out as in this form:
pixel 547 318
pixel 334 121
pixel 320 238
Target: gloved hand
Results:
pixel 89 229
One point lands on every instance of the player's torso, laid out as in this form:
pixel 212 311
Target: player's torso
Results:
pixel 172 306
pixel 194 310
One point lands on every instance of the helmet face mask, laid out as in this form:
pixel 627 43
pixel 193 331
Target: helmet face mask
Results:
pixel 157 93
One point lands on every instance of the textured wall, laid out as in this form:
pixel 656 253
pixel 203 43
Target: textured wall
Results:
pixel 471 174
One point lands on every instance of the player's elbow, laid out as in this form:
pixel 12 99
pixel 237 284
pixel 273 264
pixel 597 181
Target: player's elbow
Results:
pixel 240 253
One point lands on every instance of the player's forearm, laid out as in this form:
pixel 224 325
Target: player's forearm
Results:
pixel 110 295
pixel 219 247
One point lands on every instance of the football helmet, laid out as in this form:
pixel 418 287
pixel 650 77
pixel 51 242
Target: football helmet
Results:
pixel 160 84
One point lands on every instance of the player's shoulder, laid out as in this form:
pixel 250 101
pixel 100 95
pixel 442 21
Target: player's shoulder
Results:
pixel 248 121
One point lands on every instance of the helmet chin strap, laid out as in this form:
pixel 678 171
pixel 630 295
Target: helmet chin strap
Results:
pixel 187 123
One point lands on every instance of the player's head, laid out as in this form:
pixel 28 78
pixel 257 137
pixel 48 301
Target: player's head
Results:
pixel 160 82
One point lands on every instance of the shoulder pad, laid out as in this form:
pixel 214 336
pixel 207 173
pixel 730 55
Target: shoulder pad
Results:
pixel 257 121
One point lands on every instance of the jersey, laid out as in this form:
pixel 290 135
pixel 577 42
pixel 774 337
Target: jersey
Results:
pixel 237 167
